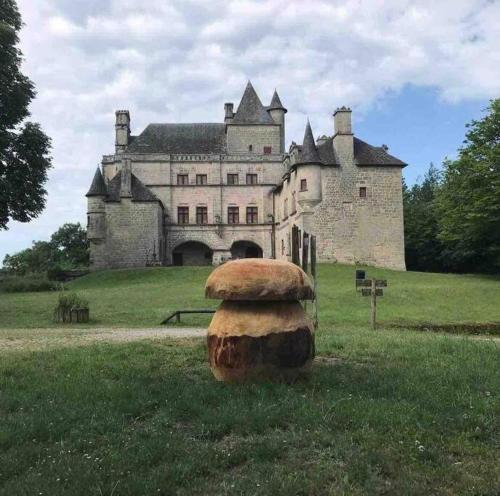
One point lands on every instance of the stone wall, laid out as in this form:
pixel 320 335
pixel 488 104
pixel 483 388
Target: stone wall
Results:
pixel 134 230
pixel 240 137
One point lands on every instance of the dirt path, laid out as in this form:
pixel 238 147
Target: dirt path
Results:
pixel 16 339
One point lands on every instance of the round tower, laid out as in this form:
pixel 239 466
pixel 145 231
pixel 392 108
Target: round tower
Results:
pixel 96 220
pixel 277 113
pixel 309 172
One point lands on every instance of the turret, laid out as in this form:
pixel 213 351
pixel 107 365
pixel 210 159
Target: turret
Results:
pixel 343 141
pixel 309 172
pixel 96 222
pixel 122 130
pixel 277 112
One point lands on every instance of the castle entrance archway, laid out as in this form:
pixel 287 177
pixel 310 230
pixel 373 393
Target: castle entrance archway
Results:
pixel 246 249
pixel 192 253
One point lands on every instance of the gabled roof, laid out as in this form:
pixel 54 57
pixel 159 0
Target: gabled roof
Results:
pixel 276 103
pixel 251 110
pixel 98 186
pixel 140 192
pixel 309 153
pixel 180 138
pixel 365 154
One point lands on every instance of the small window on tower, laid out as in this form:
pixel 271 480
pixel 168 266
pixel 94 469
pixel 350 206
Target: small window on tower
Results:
pixel 267 150
pixel 362 192
pixel 250 148
pixel 303 185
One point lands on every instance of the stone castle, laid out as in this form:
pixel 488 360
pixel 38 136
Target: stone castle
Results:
pixel 199 194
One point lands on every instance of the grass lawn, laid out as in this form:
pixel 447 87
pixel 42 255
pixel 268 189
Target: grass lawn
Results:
pixel 389 412
pixel 143 297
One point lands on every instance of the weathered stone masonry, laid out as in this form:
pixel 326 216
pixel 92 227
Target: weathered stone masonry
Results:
pixel 196 194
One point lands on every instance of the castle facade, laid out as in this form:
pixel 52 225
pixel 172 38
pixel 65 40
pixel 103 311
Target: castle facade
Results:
pixel 200 194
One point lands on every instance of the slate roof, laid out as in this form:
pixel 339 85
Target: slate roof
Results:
pixel 309 153
pixel 180 138
pixel 140 192
pixel 327 153
pixel 251 110
pixel 276 103
pixel 98 186
pixel 365 154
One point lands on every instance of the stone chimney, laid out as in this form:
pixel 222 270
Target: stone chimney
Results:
pixel 122 130
pixel 126 179
pixel 343 141
pixel 228 111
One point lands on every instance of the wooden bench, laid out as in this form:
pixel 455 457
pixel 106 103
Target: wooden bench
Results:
pixel 177 314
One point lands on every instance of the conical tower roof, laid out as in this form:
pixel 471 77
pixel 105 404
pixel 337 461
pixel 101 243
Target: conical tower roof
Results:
pixel 251 110
pixel 310 154
pixel 276 103
pixel 98 186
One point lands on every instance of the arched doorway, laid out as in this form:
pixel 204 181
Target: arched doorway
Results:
pixel 246 249
pixel 192 253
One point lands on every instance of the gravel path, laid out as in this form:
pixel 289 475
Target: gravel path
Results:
pixel 16 339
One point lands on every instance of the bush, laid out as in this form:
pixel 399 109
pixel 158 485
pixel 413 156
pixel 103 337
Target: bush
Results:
pixel 56 273
pixel 69 301
pixel 25 284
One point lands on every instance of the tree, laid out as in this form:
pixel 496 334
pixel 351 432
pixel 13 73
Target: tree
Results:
pixel 67 249
pixel 422 246
pixel 469 201
pixel 70 245
pixel 24 148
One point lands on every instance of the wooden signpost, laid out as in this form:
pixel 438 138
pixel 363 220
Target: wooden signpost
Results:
pixel 373 288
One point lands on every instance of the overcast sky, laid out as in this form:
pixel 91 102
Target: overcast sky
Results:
pixel 414 72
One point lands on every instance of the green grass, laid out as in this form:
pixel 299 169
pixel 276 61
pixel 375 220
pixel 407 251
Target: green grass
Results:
pixel 386 412
pixel 143 297
pixel 398 414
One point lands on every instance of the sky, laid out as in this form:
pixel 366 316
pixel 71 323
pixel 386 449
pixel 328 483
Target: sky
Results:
pixel 413 72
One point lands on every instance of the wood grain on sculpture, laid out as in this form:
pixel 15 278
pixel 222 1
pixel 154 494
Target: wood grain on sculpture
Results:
pixel 260 331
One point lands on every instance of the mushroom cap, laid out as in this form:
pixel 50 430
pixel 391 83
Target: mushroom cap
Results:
pixel 258 318
pixel 259 279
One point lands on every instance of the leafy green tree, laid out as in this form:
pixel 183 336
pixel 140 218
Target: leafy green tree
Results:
pixel 24 148
pixel 422 246
pixel 67 249
pixel 70 245
pixel 469 201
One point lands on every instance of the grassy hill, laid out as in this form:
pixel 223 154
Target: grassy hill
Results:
pixel 386 412
pixel 142 297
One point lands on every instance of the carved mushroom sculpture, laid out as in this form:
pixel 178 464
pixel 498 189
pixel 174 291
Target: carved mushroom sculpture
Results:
pixel 260 331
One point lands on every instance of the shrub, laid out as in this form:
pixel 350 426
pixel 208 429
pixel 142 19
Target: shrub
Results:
pixel 69 301
pixel 25 284
pixel 56 273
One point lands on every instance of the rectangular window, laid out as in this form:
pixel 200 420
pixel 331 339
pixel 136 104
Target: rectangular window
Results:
pixel 282 246
pixel 251 178
pixel 362 192
pixel 201 179
pixel 233 215
pixel 252 215
pixel 232 179
pixel 201 215
pixel 182 215
pixel 285 208
pixel 294 203
pixel 303 185
pixel 250 148
pixel 182 179
pixel 267 150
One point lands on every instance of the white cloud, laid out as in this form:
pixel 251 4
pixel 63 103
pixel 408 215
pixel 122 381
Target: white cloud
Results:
pixel 182 59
